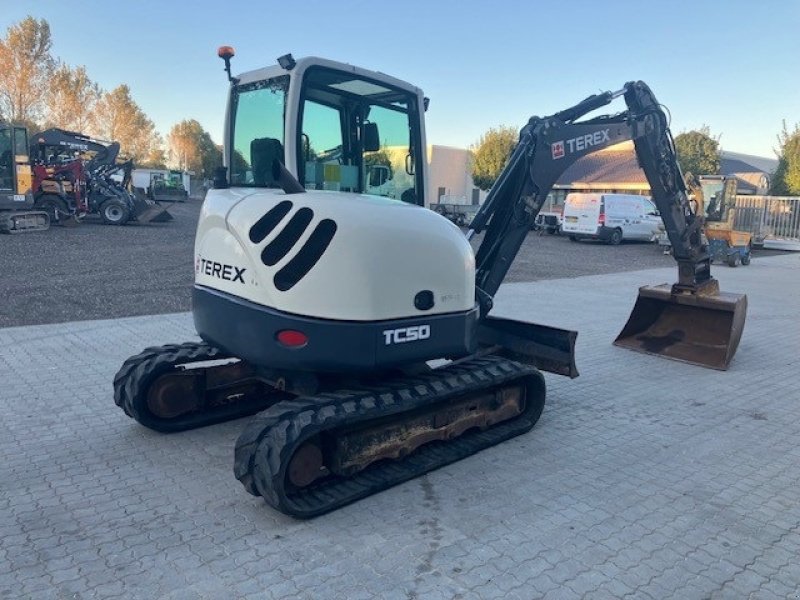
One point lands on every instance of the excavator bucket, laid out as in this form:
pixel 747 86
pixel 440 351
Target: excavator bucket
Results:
pixel 702 329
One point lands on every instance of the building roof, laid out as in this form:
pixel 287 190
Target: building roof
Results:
pixel 615 167
pixel 736 162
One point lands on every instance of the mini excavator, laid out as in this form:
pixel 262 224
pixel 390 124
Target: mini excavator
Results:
pixel 17 211
pixel 322 300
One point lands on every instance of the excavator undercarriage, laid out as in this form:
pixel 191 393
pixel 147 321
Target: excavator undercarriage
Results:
pixel 307 455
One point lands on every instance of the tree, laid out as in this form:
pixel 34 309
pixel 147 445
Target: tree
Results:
pixel 120 119
pixel 156 158
pixel 698 152
pixel 491 154
pixel 786 180
pixel 25 66
pixel 71 99
pixel 191 148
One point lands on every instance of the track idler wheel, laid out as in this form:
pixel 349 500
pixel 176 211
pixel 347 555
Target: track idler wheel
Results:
pixel 174 388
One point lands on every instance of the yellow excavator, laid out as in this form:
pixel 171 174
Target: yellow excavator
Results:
pixel 17 212
pixel 715 195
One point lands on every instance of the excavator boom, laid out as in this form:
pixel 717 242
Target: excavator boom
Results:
pixel 689 320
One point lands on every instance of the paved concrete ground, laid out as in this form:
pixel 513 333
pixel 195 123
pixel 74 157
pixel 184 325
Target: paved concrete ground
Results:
pixel 645 478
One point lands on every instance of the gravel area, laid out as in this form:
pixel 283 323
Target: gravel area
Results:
pixel 96 271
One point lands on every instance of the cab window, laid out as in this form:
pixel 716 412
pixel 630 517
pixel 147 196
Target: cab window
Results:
pixel 357 135
pixel 258 110
pixel 6 160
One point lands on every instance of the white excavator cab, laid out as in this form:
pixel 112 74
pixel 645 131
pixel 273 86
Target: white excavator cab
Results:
pixel 334 126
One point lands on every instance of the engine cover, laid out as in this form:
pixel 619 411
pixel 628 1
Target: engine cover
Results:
pixel 372 281
pixel 332 255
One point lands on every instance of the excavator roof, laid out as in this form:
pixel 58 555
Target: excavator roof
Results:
pixel 299 66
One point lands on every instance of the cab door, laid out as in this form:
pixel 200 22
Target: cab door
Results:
pixel 21 166
pixel 7 171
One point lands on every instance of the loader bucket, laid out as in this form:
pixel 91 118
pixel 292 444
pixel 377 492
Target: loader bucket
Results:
pixel 700 329
pixel 154 214
pixel 147 211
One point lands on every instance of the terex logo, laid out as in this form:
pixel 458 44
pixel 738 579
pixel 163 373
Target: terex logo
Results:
pixel 558 149
pixel 587 141
pixel 219 270
pixel 406 334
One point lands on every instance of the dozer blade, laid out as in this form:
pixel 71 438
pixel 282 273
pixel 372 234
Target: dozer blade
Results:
pixel 546 348
pixel 702 329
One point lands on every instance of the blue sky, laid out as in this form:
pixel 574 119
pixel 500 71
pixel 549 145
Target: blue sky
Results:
pixel 731 65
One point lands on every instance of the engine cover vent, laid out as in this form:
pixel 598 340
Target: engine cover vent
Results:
pixel 308 256
pixel 264 226
pixel 287 238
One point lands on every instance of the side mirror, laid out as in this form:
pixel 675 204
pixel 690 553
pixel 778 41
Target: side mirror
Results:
pixel 220 178
pixel 371 141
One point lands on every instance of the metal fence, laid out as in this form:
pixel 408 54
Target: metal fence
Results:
pixel 768 217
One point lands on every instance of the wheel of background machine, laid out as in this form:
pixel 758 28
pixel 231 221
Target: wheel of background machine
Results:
pixel 615 238
pixel 745 259
pixel 114 212
pixel 55 208
pixel 573 238
pixel 733 259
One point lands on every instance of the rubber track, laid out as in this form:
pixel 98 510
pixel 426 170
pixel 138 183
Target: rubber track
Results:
pixel 265 447
pixel 133 380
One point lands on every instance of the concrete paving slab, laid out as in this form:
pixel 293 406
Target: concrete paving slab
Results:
pixel 645 476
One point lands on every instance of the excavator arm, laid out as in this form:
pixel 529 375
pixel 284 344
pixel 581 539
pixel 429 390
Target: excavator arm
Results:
pixel 548 146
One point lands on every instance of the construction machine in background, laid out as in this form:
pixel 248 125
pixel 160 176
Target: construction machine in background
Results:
pixel 714 197
pixel 167 187
pixel 17 212
pixel 75 175
pixel 716 194
pixel 323 307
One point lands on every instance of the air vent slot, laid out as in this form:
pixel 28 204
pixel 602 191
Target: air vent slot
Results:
pixel 283 242
pixel 264 226
pixel 307 257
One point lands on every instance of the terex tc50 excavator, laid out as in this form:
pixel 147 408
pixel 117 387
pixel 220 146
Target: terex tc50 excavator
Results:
pixel 322 304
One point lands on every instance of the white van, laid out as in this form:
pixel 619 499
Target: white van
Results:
pixel 610 217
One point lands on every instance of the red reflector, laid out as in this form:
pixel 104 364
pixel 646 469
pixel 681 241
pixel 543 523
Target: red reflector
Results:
pixel 601 220
pixel 292 339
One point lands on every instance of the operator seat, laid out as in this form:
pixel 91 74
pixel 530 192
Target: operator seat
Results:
pixel 263 152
